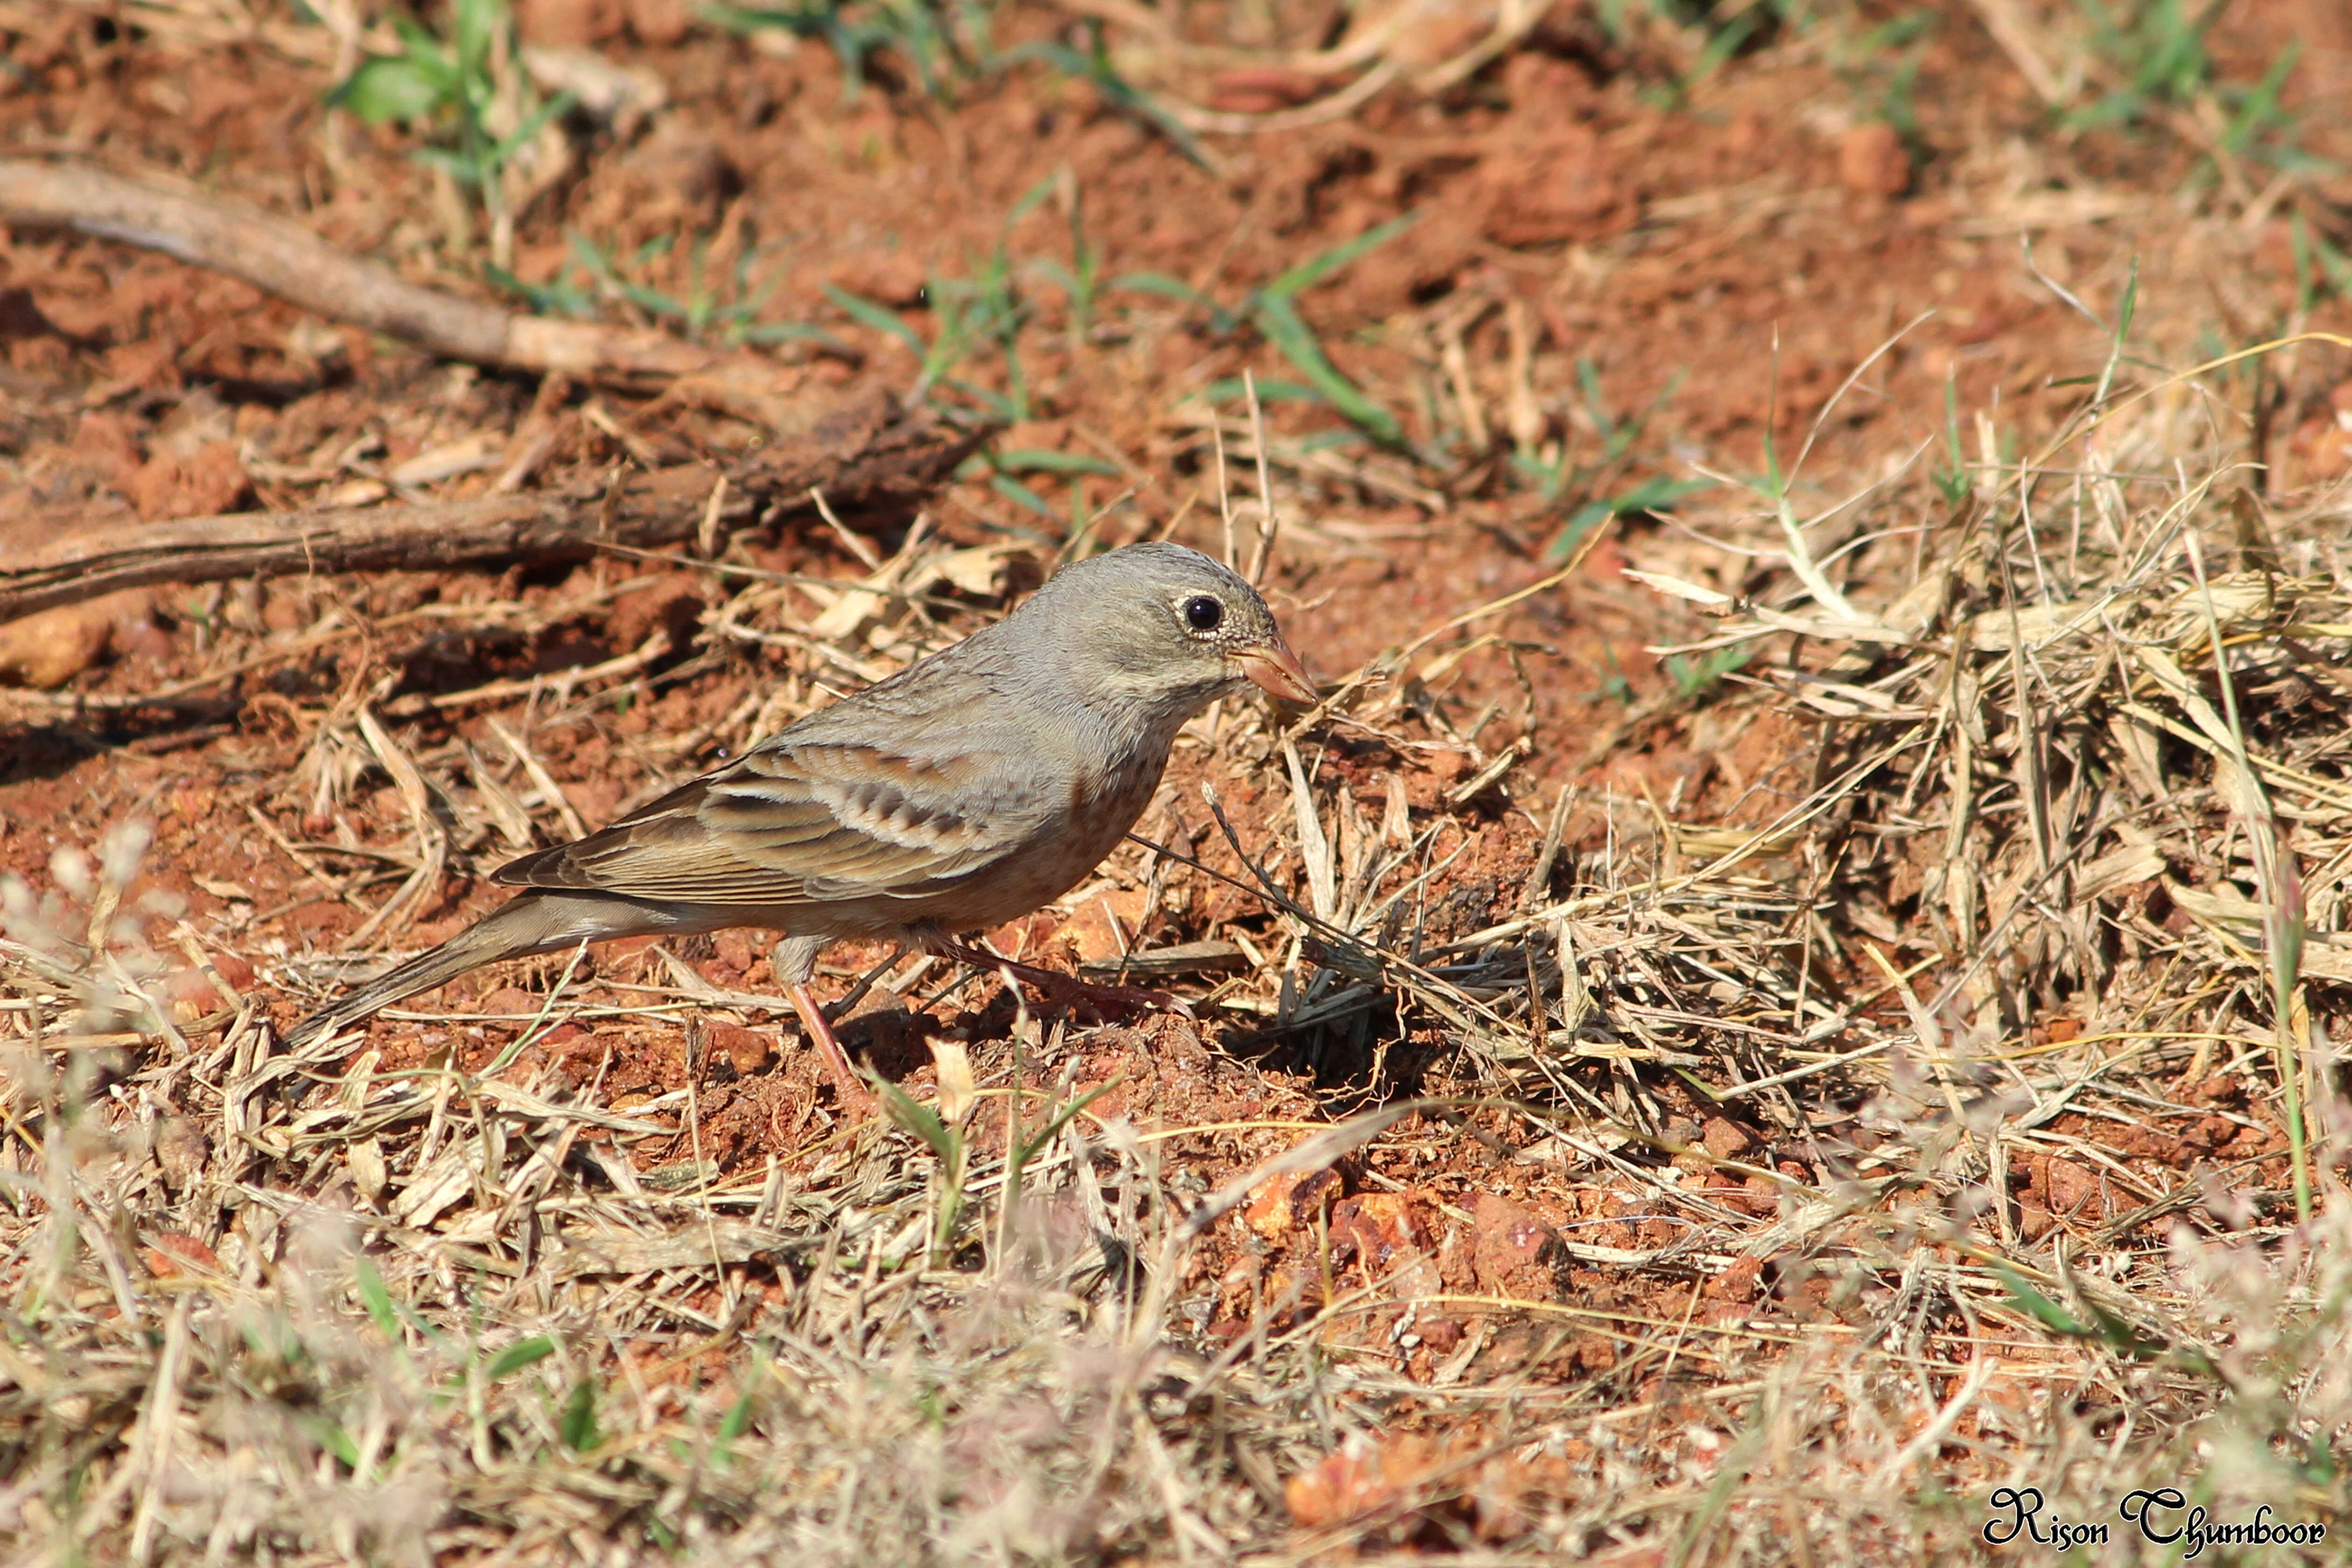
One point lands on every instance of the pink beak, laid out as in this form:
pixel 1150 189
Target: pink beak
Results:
pixel 1273 667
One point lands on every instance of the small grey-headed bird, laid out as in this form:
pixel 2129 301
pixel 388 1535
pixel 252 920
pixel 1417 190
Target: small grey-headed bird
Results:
pixel 966 791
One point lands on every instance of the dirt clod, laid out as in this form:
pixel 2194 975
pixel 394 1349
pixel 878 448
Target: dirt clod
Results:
pixel 1515 1252
pixel 49 647
pixel 210 481
pixel 1725 1139
pixel 1872 162
pixel 746 1051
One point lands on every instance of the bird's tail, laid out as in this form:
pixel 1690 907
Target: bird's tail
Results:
pixel 531 923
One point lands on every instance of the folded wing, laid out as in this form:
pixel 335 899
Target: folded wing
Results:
pixel 816 820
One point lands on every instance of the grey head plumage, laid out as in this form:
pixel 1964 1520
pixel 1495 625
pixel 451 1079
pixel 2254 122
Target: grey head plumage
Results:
pixel 1155 632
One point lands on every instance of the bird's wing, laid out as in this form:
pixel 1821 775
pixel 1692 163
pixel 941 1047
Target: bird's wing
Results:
pixel 806 820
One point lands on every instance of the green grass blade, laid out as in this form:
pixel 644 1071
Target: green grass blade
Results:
pixel 1045 1135
pixel 1232 389
pixel 2260 108
pixel 1116 91
pixel 1038 460
pixel 556 298
pixel 738 1420
pixel 1031 199
pixel 578 1426
pixel 329 1434
pixel 1221 320
pixel 533 124
pixel 518 1355
pixel 654 301
pixel 865 312
pixel 467 170
pixel 790 333
pixel 916 1117
pixel 376 1299
pixel 385 89
pixel 1297 342
pixel 2051 1316
pixel 1163 284
pixel 1309 273
pixel 1013 489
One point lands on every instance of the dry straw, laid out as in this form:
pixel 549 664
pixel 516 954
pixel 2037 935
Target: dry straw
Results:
pixel 2084 766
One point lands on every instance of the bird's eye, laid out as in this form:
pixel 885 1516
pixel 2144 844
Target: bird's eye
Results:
pixel 1203 614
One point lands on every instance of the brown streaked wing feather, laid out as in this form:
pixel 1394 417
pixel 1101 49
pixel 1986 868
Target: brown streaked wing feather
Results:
pixel 799 824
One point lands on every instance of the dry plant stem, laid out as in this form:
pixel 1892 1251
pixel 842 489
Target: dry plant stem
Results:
pixel 2275 877
pixel 867 459
pixel 300 267
pixel 1266 523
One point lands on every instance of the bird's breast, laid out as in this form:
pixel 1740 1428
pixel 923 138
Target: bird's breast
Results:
pixel 1103 803
pixel 1109 799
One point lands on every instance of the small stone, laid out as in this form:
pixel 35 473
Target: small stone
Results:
pixel 1371 1474
pixel 2323 448
pixel 193 996
pixel 1564 185
pixel 675 166
pixel 512 1003
pixel 660 22
pixel 1268 1211
pixel 1456 1268
pixel 1104 927
pixel 1872 162
pixel 210 481
pixel 734 949
pixel 1290 1201
pixel 749 1051
pixel 1725 1139
pixel 1514 1252
pixel 176 1254
pixel 2071 1190
pixel 1375 1230
pixel 1741 1283
pixel 105 440
pixel 45 649
pixel 892 278
pixel 570 24
pixel 2221 1089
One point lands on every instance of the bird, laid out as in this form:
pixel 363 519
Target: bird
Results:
pixel 970 789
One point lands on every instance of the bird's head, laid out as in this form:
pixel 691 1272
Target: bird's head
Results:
pixel 1163 629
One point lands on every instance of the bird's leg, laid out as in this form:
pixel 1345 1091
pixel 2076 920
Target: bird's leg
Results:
pixel 837 1060
pixel 794 962
pixel 1062 988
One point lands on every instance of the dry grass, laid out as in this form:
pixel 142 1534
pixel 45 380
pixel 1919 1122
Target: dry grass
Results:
pixel 2062 861
pixel 2042 875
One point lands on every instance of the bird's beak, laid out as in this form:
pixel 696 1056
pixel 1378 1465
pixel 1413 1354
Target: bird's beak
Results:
pixel 1273 667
